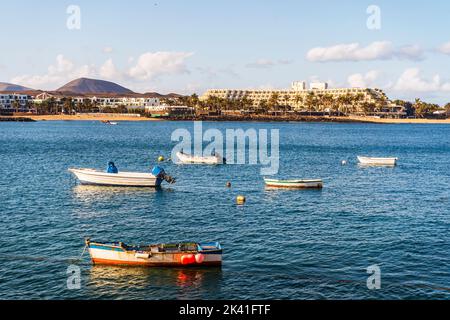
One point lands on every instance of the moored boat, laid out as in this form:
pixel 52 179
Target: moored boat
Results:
pixel 156 255
pixel 190 159
pixel 122 179
pixel 111 123
pixel 294 183
pixel 370 161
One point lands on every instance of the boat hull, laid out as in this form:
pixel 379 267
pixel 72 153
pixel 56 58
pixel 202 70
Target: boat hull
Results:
pixel 294 184
pixel 116 255
pixel 122 179
pixel 188 159
pixel 377 161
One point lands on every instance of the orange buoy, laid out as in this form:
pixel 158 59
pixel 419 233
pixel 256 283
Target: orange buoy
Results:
pixel 199 258
pixel 187 259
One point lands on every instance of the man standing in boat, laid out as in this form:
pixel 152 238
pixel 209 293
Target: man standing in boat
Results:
pixel 112 168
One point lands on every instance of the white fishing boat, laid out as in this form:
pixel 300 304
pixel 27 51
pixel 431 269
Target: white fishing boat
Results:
pixel 122 179
pixel 369 161
pixel 190 159
pixel 294 183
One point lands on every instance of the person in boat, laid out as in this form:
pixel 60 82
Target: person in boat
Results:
pixel 112 168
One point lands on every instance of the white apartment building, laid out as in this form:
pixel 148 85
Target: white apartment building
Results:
pixel 7 100
pixel 296 95
pixel 103 102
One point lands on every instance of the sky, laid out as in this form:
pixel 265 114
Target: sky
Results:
pixel 402 47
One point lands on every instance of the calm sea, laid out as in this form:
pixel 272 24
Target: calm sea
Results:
pixel 280 245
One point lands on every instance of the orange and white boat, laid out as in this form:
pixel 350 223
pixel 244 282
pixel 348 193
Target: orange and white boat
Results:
pixel 157 255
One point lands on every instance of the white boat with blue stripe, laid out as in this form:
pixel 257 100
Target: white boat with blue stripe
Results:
pixel 122 179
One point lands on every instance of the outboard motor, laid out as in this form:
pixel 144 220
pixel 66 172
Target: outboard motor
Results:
pixel 159 173
pixel 112 168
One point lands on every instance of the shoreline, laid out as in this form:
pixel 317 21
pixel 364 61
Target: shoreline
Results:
pixel 252 118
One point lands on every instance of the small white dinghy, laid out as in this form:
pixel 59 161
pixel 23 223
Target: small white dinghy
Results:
pixel 189 159
pixel 294 184
pixel 122 179
pixel 368 161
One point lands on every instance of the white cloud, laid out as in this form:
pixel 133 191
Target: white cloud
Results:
pixel 151 65
pixel 379 50
pixel 147 67
pixel 108 71
pixel 359 80
pixel 57 74
pixel 412 80
pixel 444 48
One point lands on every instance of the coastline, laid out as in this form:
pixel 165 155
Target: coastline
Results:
pixel 248 118
pixel 82 117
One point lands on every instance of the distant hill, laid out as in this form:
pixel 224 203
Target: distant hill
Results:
pixel 12 87
pixel 91 86
pixel 159 95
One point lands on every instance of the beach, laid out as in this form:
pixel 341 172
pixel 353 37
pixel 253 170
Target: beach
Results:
pixel 400 121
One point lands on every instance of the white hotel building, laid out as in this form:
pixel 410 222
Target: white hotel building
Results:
pixel 104 102
pixel 296 94
pixel 7 101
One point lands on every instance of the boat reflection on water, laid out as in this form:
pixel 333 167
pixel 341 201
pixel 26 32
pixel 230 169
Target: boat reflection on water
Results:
pixel 184 283
pixel 89 193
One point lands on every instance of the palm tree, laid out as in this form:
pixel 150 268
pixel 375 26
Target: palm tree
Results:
pixel 319 102
pixel 16 105
pixel 346 100
pixel 328 102
pixel 298 99
pixel 310 101
pixel 246 103
pixel 263 106
pixel 68 106
pixel 286 99
pixel 273 101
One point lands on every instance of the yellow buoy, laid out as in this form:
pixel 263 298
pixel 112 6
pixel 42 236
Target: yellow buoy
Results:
pixel 161 159
pixel 240 199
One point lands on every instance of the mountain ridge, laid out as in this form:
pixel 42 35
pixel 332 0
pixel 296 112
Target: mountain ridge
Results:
pixel 90 86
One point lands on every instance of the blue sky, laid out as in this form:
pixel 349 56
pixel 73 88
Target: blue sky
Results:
pixel 190 46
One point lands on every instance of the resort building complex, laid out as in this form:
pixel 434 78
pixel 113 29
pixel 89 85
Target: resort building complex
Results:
pixel 318 97
pixel 103 101
pixel 14 102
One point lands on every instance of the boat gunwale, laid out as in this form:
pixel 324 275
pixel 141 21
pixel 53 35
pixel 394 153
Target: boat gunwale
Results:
pixel 217 250
pixel 293 181
pixel 120 175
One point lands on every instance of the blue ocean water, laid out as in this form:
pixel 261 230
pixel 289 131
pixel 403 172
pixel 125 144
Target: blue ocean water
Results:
pixel 279 245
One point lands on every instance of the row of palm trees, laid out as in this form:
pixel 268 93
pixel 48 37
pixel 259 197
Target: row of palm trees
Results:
pixel 311 102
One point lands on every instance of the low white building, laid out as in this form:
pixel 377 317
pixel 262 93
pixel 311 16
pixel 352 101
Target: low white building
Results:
pixel 105 101
pixel 7 101
pixel 165 110
pixel 318 86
